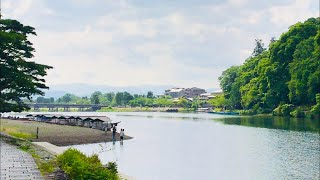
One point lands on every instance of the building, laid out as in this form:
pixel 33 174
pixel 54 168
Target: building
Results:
pixel 193 92
pixel 206 96
pixel 184 92
pixel 174 92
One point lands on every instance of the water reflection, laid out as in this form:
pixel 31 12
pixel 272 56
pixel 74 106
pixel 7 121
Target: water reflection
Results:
pixel 270 122
pixel 207 146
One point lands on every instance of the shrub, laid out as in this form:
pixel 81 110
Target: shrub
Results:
pixel 298 113
pixel 47 167
pixel 283 110
pixel 113 167
pixel 315 111
pixel 248 112
pixel 79 166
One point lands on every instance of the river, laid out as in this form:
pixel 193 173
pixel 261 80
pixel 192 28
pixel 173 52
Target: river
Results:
pixel 184 146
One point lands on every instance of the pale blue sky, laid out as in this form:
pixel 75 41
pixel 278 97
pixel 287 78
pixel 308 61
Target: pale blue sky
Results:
pixel 134 42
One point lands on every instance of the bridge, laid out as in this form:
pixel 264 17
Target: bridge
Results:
pixel 66 107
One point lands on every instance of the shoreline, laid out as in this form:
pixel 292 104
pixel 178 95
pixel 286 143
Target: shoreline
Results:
pixel 59 135
pixel 180 110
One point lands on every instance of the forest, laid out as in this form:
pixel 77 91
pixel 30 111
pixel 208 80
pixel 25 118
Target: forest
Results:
pixel 283 79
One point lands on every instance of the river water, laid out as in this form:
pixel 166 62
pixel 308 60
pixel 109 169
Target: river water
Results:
pixel 174 146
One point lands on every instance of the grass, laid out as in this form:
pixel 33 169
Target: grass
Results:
pixel 48 167
pixel 60 135
pixel 28 129
pixel 13 131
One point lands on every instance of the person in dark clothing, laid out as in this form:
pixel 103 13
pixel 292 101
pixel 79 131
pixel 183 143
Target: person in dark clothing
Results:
pixel 121 134
pixel 114 130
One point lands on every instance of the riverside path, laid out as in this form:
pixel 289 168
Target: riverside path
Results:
pixel 17 164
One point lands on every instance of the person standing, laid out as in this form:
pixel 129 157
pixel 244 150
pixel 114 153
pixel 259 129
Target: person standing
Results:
pixel 114 130
pixel 121 134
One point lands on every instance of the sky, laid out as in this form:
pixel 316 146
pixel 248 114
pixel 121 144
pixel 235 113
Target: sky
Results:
pixel 184 43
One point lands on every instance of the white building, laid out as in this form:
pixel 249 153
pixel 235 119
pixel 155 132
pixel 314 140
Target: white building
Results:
pixel 184 92
pixel 206 96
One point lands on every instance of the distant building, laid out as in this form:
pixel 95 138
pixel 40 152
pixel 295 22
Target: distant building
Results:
pixel 174 92
pixel 184 92
pixel 217 93
pixel 206 96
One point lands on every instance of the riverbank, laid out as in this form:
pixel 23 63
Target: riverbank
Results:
pixel 53 165
pixel 44 160
pixel 60 135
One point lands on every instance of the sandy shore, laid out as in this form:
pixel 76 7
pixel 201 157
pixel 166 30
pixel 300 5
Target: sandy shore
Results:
pixel 60 135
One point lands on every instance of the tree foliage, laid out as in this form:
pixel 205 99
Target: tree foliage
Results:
pixel 95 97
pixel 287 73
pixel 79 166
pixel 19 78
pixel 259 47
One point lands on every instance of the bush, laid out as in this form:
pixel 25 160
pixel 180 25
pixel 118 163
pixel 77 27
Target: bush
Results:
pixel 79 166
pixel 248 112
pixel 315 111
pixel 298 113
pixel 113 167
pixel 283 110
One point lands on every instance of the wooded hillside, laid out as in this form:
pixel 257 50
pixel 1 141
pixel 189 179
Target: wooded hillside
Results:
pixel 288 72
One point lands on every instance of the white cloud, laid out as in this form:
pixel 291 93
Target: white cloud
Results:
pixel 291 13
pixel 22 7
pixel 119 43
pixel 237 2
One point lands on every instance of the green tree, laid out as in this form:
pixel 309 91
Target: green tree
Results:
pixel 118 99
pixel 150 94
pixel 19 78
pixel 231 85
pixel 287 73
pixel 42 99
pixel 218 101
pixel 282 54
pixel 66 98
pixel 126 98
pixel 185 103
pixel 259 48
pixel 95 97
pixel 163 102
pixel 109 97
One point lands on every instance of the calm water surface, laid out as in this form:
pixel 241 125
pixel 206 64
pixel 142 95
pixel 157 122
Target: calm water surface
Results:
pixel 207 146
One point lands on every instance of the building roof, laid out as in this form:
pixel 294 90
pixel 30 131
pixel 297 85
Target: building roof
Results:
pixel 176 89
pixel 85 118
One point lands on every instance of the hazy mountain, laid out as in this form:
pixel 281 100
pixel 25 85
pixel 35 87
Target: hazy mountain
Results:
pixel 57 91
pixel 87 89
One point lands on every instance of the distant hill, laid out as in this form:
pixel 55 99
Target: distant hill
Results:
pixel 80 89
pixel 57 91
